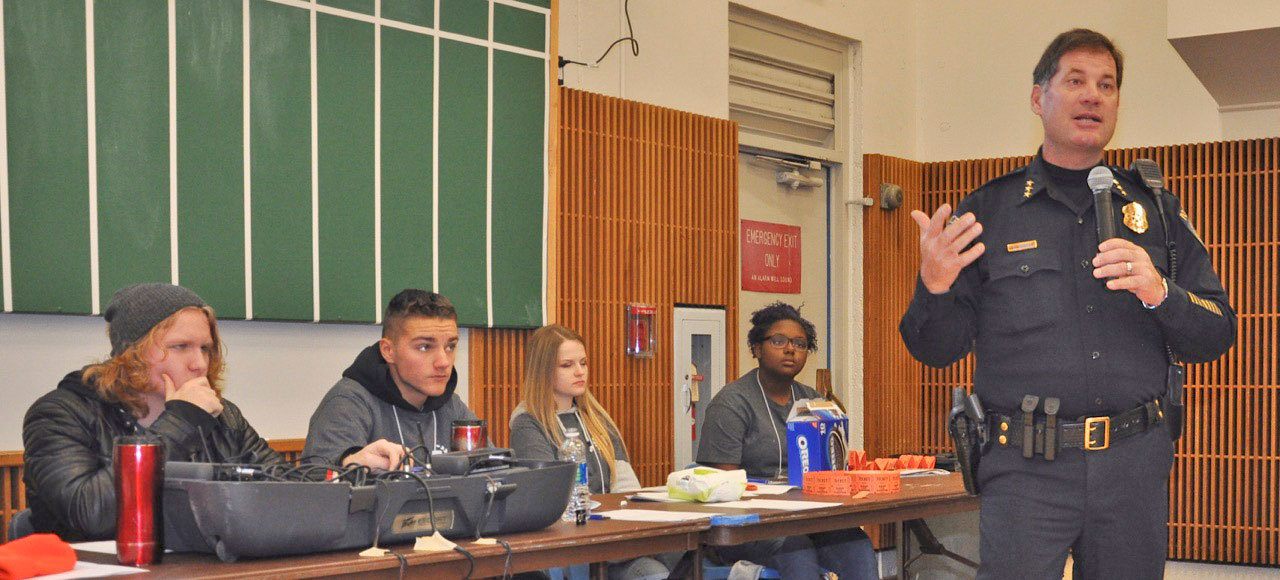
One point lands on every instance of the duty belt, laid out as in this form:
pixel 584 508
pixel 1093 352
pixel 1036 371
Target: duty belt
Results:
pixel 1044 434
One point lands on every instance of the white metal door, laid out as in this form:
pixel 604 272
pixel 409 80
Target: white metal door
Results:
pixel 699 373
pixel 762 198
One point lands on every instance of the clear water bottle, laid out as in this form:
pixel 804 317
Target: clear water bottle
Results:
pixel 573 449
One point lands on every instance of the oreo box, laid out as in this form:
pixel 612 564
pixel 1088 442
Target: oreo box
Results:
pixel 817 431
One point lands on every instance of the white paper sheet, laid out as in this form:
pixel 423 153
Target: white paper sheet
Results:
pixel 661 496
pixel 659 493
pixel 628 515
pixel 90 570
pixel 777 504
pixel 922 471
pixel 102 547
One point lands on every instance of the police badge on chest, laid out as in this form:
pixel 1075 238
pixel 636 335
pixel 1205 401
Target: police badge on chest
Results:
pixel 1135 217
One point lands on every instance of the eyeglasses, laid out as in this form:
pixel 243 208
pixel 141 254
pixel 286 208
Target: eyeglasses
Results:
pixel 780 341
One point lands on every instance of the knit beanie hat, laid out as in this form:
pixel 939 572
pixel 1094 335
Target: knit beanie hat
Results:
pixel 135 310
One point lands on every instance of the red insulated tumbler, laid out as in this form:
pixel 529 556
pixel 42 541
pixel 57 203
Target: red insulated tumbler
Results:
pixel 469 435
pixel 139 477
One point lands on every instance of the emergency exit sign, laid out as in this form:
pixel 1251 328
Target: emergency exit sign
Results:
pixel 770 257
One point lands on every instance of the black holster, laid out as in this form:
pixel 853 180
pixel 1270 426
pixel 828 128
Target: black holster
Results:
pixel 968 429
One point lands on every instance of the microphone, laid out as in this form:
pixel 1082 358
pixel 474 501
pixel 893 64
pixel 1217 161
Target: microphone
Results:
pixel 1100 180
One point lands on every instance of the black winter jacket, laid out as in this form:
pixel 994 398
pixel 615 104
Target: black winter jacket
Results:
pixel 68 435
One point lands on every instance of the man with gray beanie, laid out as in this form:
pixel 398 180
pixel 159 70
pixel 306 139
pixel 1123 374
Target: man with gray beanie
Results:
pixel 164 379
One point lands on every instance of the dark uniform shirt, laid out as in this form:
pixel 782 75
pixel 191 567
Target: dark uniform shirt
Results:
pixel 1040 323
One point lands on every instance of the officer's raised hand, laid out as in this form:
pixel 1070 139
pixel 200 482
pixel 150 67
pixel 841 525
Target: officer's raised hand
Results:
pixel 942 247
pixel 1127 266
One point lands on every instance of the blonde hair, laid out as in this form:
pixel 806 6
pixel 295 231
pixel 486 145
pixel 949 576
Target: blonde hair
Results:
pixel 126 377
pixel 538 394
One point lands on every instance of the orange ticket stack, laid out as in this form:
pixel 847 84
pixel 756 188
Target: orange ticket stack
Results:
pixel 870 475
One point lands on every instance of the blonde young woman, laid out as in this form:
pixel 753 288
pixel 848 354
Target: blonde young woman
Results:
pixel 556 398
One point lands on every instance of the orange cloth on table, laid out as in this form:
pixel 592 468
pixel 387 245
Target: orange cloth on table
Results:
pixel 35 555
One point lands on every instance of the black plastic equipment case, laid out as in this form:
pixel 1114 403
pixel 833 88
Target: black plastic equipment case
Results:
pixel 236 519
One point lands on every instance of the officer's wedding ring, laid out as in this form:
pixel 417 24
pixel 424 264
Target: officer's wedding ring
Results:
pixel 1128 267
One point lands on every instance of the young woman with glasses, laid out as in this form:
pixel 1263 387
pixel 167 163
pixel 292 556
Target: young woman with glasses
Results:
pixel 746 428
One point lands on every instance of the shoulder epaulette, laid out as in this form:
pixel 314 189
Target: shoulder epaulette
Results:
pixel 1015 175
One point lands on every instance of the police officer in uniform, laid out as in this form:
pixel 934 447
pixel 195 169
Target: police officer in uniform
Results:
pixel 1075 341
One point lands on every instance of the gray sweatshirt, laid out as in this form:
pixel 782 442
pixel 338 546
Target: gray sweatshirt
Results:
pixel 365 405
pixel 529 440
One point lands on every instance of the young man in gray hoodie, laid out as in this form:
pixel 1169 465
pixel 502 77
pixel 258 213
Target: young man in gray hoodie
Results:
pixel 397 397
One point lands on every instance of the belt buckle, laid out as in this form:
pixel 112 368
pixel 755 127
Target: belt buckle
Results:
pixel 1100 422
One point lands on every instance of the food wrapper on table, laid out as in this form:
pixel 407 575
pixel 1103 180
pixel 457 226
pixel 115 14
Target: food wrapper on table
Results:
pixel 706 484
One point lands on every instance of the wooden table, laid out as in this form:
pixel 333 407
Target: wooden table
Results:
pixel 920 497
pixel 561 544
pixel 565 544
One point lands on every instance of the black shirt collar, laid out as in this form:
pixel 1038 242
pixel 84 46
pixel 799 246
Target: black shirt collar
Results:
pixel 1056 181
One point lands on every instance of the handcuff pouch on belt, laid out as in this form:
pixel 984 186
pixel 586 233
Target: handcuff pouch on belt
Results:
pixel 1051 405
pixel 1029 403
pixel 968 427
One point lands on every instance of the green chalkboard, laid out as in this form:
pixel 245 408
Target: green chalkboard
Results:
pixel 280 152
pixel 407 212
pixel 132 104
pixel 345 104
pixel 517 177
pixel 462 181
pixel 210 98
pixel 288 162
pixel 45 85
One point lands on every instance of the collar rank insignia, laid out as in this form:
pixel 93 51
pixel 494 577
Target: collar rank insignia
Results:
pixel 1135 217
pixel 1120 187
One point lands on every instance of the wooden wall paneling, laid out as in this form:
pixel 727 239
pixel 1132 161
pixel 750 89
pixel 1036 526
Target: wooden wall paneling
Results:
pixel 878 377
pixel 1225 487
pixel 1194 407
pixel 891 415
pixel 1270 183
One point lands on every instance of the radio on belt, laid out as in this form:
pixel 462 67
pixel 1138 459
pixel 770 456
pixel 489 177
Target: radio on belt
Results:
pixel 817 432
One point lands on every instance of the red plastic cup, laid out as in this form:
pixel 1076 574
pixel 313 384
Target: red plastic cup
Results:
pixel 139 477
